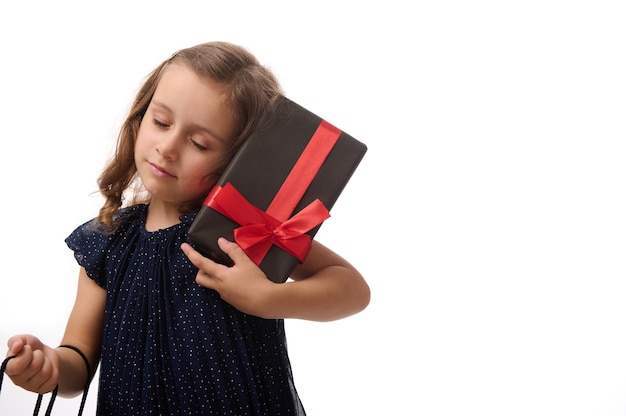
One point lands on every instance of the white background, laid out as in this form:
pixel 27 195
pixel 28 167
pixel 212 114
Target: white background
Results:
pixel 488 215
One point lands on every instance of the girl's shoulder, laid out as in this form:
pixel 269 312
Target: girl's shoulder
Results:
pixel 127 218
pixel 92 243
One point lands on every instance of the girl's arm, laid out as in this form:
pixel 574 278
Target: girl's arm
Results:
pixel 39 368
pixel 83 331
pixel 324 288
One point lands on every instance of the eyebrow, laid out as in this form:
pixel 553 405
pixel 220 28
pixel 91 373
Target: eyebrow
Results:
pixel 199 127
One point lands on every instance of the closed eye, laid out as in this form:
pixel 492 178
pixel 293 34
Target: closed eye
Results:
pixel 198 145
pixel 159 123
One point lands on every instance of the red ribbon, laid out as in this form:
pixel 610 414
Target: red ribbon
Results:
pixel 260 229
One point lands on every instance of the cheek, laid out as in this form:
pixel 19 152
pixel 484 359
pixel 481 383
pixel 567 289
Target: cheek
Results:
pixel 201 187
pixel 207 181
pixel 202 178
pixel 140 142
pixel 202 171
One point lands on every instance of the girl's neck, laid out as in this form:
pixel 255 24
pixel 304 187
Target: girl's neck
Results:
pixel 161 215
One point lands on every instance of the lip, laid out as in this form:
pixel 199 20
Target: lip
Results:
pixel 159 171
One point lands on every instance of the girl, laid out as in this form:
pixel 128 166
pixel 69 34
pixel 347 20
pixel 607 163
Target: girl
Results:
pixel 174 332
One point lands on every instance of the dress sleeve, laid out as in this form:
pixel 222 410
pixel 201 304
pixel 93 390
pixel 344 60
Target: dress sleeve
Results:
pixel 90 247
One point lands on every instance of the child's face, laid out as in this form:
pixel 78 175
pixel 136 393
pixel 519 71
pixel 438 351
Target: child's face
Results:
pixel 182 136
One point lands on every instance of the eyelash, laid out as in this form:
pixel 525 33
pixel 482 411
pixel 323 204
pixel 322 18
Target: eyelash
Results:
pixel 159 123
pixel 197 145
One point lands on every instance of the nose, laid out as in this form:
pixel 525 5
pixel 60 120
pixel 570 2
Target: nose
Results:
pixel 167 147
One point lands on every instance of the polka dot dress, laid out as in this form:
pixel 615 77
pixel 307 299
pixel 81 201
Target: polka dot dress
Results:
pixel 171 347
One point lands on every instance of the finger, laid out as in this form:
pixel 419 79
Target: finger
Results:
pixel 45 379
pixel 15 345
pixel 17 342
pixel 37 375
pixel 194 256
pixel 32 368
pixel 21 362
pixel 233 250
pixel 37 362
pixel 206 280
pixel 204 264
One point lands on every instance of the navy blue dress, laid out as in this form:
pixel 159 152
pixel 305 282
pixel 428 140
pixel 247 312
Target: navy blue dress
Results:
pixel 171 347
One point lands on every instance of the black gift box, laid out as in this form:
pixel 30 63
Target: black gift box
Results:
pixel 282 150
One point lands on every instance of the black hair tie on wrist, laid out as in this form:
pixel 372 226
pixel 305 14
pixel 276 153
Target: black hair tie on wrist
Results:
pixel 84 357
pixel 89 375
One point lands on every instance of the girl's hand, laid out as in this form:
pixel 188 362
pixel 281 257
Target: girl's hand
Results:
pixel 35 366
pixel 244 285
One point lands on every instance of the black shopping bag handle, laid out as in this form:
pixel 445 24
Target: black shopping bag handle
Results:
pixel 54 392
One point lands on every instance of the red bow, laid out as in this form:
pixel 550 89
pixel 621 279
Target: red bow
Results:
pixel 259 230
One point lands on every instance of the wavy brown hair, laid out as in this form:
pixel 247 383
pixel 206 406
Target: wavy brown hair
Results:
pixel 250 90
